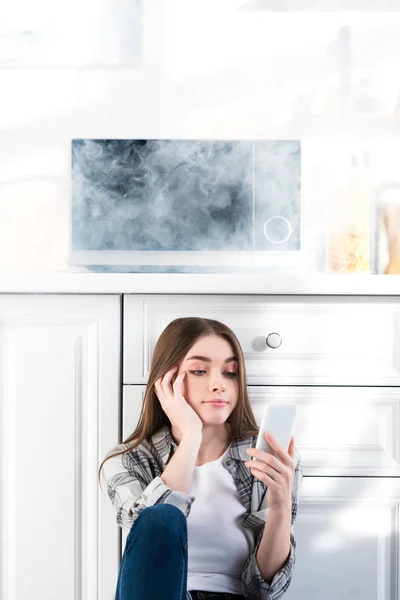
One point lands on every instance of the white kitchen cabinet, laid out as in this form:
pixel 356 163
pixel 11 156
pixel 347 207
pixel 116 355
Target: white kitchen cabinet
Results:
pixel 346 528
pixel 312 340
pixel 60 365
pixel 339 360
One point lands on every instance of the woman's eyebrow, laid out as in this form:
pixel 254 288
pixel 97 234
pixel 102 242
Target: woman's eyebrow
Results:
pixel 206 359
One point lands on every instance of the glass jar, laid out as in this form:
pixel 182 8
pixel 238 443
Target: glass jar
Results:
pixel 348 224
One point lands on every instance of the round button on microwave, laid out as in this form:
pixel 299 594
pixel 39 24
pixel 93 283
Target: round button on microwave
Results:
pixel 277 230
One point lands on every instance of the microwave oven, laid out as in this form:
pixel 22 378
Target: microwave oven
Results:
pixel 169 205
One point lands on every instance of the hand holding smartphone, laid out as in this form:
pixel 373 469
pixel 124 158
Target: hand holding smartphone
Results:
pixel 278 420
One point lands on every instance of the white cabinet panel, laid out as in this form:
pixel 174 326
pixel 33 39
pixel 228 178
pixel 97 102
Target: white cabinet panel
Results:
pixel 133 396
pixel 347 539
pixel 339 431
pixel 320 340
pixel 348 431
pixel 346 528
pixel 59 373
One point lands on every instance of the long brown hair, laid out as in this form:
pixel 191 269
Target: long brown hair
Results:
pixel 172 346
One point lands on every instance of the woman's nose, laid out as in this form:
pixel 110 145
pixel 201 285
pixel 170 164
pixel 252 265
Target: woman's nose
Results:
pixel 217 385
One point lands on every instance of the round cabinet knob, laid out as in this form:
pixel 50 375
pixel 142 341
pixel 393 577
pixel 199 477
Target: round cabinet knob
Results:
pixel 274 340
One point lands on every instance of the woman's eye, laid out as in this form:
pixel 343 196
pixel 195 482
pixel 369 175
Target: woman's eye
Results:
pixel 230 373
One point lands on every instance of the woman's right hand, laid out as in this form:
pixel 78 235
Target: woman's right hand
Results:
pixel 182 416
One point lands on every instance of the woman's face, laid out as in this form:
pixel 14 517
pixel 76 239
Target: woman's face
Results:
pixel 216 378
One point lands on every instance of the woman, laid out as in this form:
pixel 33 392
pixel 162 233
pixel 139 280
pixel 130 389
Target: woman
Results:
pixel 200 522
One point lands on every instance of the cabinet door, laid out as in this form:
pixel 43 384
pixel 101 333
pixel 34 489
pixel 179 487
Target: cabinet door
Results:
pixel 59 362
pixel 286 340
pixel 346 528
pixel 347 539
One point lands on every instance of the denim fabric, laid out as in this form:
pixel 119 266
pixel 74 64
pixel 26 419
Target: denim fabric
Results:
pixel 197 595
pixel 154 563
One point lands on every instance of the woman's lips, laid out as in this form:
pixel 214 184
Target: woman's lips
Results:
pixel 217 404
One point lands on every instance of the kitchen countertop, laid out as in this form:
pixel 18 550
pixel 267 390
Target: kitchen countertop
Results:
pixel 183 283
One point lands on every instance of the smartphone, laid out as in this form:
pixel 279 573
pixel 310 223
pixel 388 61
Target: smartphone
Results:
pixel 279 420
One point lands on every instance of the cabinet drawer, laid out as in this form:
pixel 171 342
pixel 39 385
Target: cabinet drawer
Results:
pixel 318 340
pixel 338 431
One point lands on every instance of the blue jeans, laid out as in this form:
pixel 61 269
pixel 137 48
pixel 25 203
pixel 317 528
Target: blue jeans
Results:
pixel 154 564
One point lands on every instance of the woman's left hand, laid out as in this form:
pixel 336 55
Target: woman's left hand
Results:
pixel 276 473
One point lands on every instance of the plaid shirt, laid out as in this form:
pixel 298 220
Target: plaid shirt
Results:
pixel 133 482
